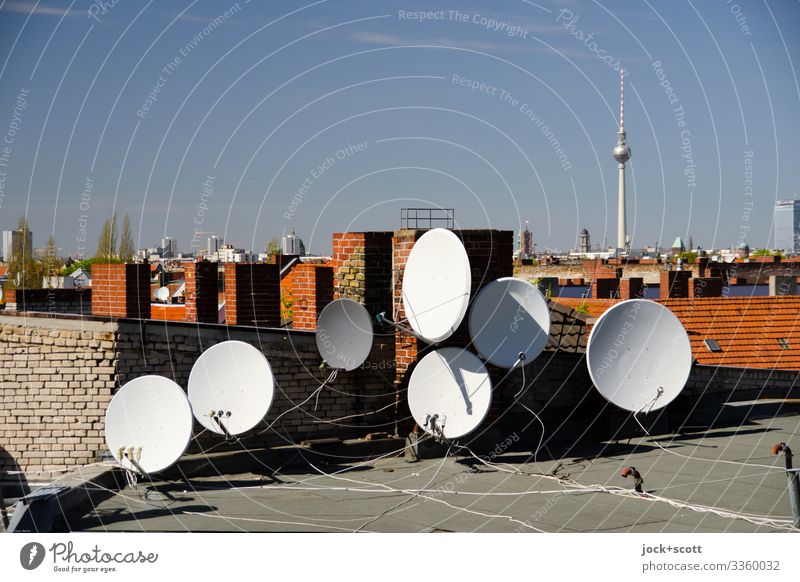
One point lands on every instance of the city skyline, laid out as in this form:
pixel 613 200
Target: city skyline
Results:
pixel 247 120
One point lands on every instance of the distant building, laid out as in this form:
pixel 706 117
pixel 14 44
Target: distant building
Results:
pixel 525 249
pixel 78 279
pixel 787 226
pixel 678 246
pixel 293 244
pixel 228 254
pixel 214 244
pixel 12 240
pixel 584 242
pixel 169 248
pixel 743 250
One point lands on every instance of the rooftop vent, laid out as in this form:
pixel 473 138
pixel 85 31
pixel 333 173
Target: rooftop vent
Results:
pixel 784 343
pixel 712 345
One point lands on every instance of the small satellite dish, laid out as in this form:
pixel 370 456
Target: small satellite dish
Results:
pixel 639 355
pixel 231 387
pixel 148 424
pixel 450 392
pixel 344 334
pixel 436 285
pixel 509 317
pixel 162 294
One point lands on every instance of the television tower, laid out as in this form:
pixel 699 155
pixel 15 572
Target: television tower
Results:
pixel 622 153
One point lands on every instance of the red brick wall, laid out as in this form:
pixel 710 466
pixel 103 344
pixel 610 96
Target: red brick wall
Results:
pixel 200 296
pixel 252 294
pixel 121 290
pixel 311 288
pixel 164 312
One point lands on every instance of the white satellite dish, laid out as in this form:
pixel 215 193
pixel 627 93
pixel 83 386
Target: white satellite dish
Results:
pixel 162 294
pixel 639 355
pixel 148 424
pixel 450 392
pixel 231 387
pixel 344 334
pixel 509 318
pixel 436 285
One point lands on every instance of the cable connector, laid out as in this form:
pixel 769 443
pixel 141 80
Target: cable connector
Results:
pixel 638 480
pixel 787 453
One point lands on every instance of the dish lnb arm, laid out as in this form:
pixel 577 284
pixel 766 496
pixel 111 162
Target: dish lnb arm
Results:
pixel 382 319
pixel 434 426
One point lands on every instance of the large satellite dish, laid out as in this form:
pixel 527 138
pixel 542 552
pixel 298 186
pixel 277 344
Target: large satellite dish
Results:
pixel 639 355
pixel 509 322
pixel 450 392
pixel 231 387
pixel 344 334
pixel 148 424
pixel 162 294
pixel 436 285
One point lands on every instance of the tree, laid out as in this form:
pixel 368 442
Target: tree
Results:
pixel 765 253
pixel 127 250
pixel 274 247
pixel 107 242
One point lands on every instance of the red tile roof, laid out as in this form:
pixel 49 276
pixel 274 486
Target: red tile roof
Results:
pixel 747 329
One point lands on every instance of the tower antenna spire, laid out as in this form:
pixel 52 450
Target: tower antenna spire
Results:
pixel 622 99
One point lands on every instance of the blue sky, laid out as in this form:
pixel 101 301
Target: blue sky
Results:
pixel 259 112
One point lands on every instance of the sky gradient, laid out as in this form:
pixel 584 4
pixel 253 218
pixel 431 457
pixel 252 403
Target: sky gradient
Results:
pixel 247 118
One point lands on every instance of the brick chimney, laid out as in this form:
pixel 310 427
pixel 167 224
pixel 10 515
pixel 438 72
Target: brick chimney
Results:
pixel 605 288
pixel 674 284
pixel 311 289
pixel 632 288
pixel 201 295
pixel 121 290
pixel 252 294
pixel 705 287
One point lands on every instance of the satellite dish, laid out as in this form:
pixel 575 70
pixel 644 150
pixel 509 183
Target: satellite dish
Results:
pixel 450 392
pixel 639 355
pixel 344 334
pixel 436 285
pixel 162 294
pixel 148 424
pixel 509 317
pixel 231 387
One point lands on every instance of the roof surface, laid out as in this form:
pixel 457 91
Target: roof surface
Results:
pixel 747 329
